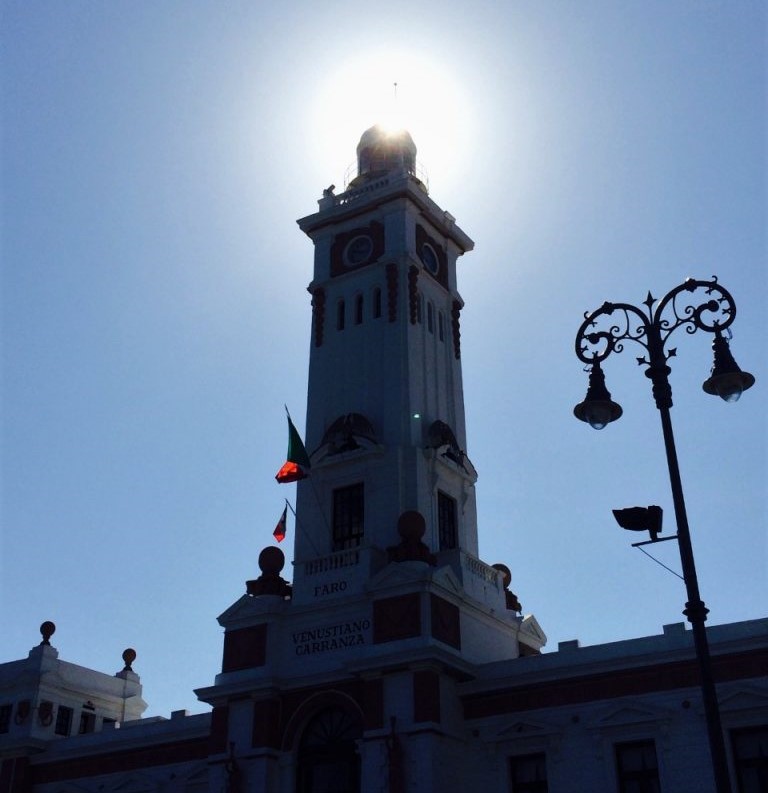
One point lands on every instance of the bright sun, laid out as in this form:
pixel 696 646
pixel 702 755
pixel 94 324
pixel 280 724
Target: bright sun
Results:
pixel 397 90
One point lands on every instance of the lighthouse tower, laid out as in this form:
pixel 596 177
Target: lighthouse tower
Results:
pixel 385 410
pixel 389 608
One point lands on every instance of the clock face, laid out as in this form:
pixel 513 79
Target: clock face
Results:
pixel 429 258
pixel 358 250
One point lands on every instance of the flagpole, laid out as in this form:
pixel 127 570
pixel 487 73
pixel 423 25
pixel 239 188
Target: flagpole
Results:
pixel 296 529
pixel 299 459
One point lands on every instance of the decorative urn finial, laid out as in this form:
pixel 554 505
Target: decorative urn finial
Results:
pixel 47 629
pixel 129 656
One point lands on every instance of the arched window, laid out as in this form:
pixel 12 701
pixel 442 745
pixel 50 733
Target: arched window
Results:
pixel 376 303
pixel 430 318
pixel 328 761
pixel 441 325
pixel 340 312
pixel 358 310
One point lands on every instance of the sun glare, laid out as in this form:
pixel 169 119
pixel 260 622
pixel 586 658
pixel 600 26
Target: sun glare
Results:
pixel 397 91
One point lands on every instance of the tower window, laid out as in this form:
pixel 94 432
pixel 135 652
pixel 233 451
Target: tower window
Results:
pixel 430 318
pixel 446 520
pixel 340 312
pixel 359 310
pixel 528 773
pixel 63 721
pixel 348 515
pixel 441 325
pixel 376 303
pixel 420 309
pixel 637 768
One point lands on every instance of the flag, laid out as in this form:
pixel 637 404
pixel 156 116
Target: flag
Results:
pixel 297 465
pixel 279 532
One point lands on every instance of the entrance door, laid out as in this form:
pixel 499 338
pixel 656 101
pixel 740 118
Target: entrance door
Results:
pixel 328 758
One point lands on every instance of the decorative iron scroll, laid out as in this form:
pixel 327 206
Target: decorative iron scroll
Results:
pixel 694 305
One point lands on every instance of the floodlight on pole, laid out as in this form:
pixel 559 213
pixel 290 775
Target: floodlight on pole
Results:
pixel 640 519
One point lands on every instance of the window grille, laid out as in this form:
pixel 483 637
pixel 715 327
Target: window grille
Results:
pixel 750 758
pixel 637 768
pixel 63 721
pixel 348 513
pixel 528 773
pixel 446 520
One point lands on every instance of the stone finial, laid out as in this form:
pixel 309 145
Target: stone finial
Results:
pixel 47 629
pixel 411 527
pixel 271 561
pixel 513 604
pixel 270 582
pixel 129 656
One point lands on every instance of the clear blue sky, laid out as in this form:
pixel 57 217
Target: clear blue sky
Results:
pixel 155 319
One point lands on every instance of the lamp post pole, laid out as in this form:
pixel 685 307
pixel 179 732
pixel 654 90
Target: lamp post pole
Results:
pixel 694 305
pixel 696 612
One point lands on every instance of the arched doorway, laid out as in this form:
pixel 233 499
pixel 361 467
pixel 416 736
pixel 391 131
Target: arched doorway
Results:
pixel 328 761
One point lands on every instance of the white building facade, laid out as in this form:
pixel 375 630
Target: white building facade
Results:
pixel 396 660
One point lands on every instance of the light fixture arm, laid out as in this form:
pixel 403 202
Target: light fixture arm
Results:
pixel 694 305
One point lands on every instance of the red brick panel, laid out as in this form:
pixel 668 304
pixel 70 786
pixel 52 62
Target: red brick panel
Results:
pixel 266 724
pixel 442 273
pixel 373 704
pixel 245 648
pixel 6 774
pixel 12 775
pixel 446 624
pixel 426 696
pixel 219 729
pixel 612 684
pixel 396 618
pixel 127 760
pixel 374 230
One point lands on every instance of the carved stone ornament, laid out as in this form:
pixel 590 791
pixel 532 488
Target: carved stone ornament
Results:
pixel 455 323
pixel 413 294
pixel 318 315
pixel 45 713
pixel 22 711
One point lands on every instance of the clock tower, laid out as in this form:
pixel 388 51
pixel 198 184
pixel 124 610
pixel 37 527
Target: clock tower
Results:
pixel 385 411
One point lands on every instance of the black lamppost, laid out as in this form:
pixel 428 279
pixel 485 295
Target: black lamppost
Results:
pixel 694 305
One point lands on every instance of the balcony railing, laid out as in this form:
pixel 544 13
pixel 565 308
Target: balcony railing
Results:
pixel 482 570
pixel 334 561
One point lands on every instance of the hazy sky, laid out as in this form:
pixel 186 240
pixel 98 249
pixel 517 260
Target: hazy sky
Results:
pixel 155 315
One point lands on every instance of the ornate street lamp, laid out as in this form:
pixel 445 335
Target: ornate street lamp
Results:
pixel 694 305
